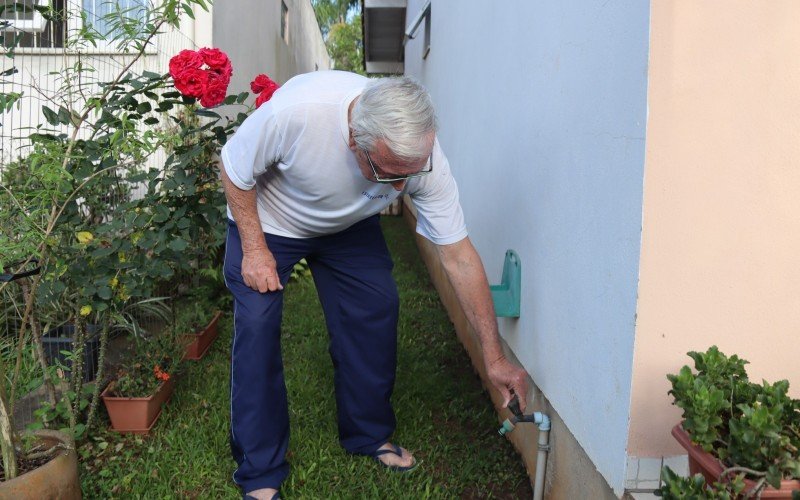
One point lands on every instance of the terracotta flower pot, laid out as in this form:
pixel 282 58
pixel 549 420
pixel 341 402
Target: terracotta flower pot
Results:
pixel 707 464
pixel 137 415
pixel 57 479
pixel 201 341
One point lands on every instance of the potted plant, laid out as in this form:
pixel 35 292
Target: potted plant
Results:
pixel 197 324
pixel 744 438
pixel 144 383
pixel 48 470
pixel 39 465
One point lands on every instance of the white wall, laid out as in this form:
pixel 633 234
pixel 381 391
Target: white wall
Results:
pixel 250 32
pixel 542 108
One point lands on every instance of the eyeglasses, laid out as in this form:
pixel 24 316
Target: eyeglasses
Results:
pixel 384 180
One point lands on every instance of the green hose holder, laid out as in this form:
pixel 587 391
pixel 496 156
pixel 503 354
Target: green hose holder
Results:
pixel 506 295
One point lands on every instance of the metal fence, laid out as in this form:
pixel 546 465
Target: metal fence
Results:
pixel 41 51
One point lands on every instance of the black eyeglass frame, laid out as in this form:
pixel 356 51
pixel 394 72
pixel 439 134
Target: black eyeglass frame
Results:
pixel 386 180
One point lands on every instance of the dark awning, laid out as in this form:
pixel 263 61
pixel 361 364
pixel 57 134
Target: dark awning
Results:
pixel 384 28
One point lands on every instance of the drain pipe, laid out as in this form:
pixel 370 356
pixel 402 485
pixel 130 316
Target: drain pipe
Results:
pixel 541 420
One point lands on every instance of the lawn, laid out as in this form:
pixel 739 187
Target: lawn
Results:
pixel 444 416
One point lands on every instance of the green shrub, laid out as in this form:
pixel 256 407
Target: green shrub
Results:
pixel 750 427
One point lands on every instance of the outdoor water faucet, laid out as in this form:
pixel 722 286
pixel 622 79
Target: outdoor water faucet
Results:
pixel 543 422
pixel 540 419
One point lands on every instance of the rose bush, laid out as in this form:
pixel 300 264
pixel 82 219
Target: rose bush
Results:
pixel 109 232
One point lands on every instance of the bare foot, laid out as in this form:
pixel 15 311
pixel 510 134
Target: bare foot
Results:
pixel 263 493
pixel 406 460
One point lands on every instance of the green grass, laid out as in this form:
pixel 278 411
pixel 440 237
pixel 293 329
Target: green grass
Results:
pixel 443 415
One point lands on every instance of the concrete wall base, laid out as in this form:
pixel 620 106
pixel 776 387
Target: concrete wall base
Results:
pixel 570 473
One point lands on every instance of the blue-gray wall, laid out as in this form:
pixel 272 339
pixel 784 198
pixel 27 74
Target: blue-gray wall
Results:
pixel 542 108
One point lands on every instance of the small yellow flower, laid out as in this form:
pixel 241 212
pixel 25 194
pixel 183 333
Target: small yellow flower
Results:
pixel 122 293
pixel 135 237
pixel 86 310
pixel 113 282
pixel 84 237
pixel 122 257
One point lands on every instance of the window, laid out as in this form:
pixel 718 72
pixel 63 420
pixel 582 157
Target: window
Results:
pixel 284 21
pixel 22 23
pixel 108 17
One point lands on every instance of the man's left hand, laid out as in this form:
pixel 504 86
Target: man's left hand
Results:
pixel 505 377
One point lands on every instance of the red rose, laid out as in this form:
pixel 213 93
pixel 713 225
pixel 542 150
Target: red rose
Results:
pixel 226 71
pixel 214 93
pixel 184 60
pixel 214 58
pixel 265 96
pixel 261 83
pixel 192 82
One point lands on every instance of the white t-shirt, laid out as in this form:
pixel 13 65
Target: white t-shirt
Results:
pixel 294 150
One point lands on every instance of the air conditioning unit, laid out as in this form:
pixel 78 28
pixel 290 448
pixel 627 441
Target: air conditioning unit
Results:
pixel 21 15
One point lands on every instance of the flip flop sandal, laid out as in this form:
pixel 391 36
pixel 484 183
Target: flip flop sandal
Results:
pixel 276 496
pixel 396 468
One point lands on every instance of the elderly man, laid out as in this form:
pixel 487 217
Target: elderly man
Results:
pixel 305 177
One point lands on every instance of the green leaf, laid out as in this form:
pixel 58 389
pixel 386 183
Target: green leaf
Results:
pixel 79 430
pixel 178 244
pixel 35 426
pixel 151 75
pixel 63 115
pixel 774 476
pixel 7 100
pixel 50 115
pixel 102 252
pixel 206 113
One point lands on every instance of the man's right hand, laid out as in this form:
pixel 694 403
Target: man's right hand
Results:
pixel 259 271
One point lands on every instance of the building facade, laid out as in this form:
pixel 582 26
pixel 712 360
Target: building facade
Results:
pixel 642 160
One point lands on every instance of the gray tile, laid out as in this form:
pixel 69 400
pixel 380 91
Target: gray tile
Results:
pixel 679 464
pixel 632 468
pixel 647 485
pixel 649 469
pixel 643 496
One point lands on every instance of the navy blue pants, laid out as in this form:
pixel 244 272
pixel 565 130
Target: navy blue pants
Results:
pixel 352 273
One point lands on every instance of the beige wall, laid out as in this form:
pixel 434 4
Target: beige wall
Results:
pixel 720 260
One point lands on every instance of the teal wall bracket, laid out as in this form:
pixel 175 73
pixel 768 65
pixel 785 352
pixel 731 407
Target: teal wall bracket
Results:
pixel 506 295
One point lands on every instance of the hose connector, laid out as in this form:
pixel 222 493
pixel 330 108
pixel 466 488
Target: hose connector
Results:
pixel 542 420
pixel 508 426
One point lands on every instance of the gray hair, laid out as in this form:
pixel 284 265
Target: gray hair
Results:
pixel 397 110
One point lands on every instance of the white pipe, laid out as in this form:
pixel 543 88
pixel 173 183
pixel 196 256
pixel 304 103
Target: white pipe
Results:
pixel 543 422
